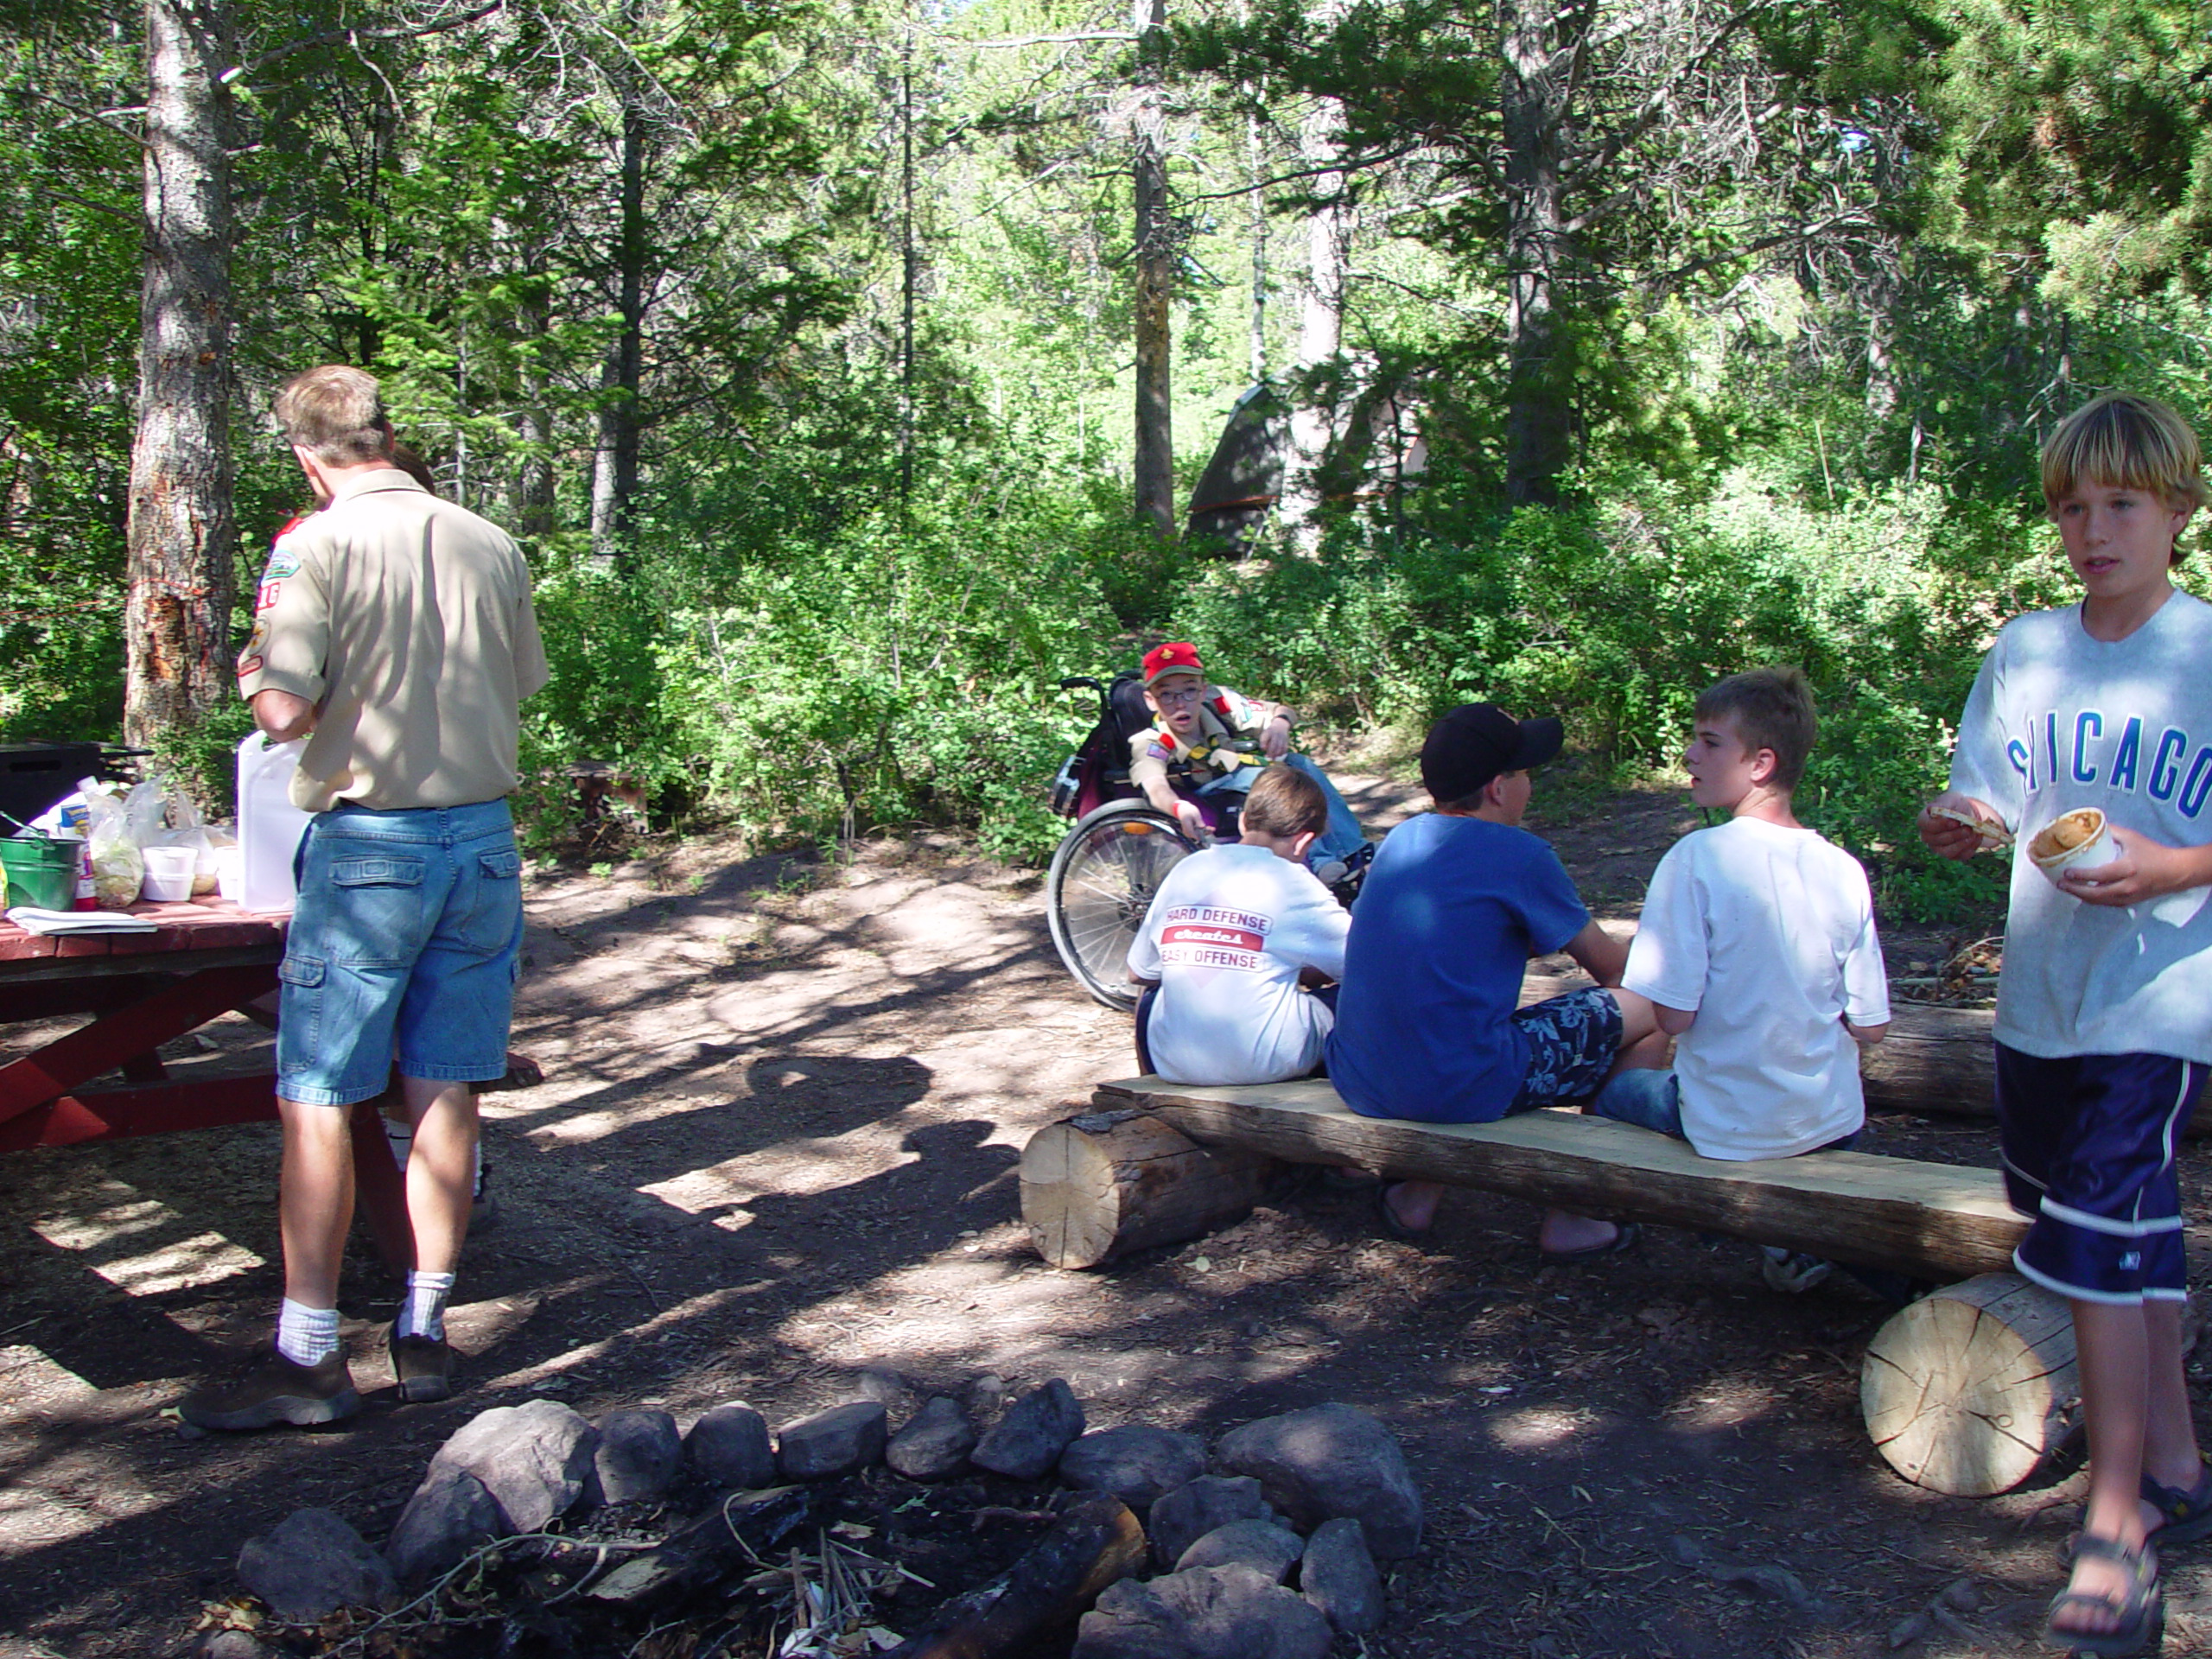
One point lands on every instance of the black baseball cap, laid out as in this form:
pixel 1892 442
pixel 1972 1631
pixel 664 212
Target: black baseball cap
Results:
pixel 1477 741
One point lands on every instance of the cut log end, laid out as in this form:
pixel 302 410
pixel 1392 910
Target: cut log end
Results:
pixel 1098 1185
pixel 1969 1390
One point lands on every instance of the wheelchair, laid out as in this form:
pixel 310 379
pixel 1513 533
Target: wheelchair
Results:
pixel 1108 866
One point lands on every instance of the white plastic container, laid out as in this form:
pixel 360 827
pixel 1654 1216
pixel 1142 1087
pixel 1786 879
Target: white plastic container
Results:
pixel 269 826
pixel 168 872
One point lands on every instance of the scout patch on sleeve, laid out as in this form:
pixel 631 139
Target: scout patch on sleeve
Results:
pixel 284 561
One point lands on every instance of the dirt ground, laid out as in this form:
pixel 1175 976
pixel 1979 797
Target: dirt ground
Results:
pixel 775 1152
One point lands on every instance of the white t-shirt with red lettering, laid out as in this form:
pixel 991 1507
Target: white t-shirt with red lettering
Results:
pixel 1226 936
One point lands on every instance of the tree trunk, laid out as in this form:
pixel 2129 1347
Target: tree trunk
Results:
pixel 1321 335
pixel 1154 260
pixel 1533 94
pixel 182 535
pixel 531 490
pixel 614 489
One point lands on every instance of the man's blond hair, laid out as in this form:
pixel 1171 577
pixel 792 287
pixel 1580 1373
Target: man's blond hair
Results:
pixel 336 413
pixel 2123 441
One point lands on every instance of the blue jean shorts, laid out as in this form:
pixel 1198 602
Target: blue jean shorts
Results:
pixel 1653 1100
pixel 1573 1041
pixel 405 943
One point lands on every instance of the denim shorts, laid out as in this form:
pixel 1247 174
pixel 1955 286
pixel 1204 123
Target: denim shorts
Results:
pixel 1653 1100
pixel 405 944
pixel 1649 1099
pixel 1573 1041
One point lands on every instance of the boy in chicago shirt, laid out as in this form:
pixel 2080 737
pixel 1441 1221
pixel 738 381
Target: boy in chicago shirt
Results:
pixel 1229 936
pixel 2104 1011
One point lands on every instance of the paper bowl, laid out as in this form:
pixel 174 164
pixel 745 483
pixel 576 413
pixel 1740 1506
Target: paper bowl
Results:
pixel 2080 840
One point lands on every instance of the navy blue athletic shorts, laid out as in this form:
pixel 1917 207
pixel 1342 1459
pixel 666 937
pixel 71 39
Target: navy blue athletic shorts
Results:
pixel 2089 1152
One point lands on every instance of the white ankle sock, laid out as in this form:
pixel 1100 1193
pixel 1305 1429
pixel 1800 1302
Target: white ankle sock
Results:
pixel 305 1336
pixel 423 1313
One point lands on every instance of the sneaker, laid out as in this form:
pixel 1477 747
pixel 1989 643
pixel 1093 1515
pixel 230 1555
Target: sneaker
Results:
pixel 422 1366
pixel 1792 1272
pixel 273 1390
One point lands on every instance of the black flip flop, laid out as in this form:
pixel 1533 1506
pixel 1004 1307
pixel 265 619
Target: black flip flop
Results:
pixel 1625 1233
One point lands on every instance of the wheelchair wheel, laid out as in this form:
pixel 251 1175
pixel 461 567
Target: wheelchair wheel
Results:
pixel 1100 885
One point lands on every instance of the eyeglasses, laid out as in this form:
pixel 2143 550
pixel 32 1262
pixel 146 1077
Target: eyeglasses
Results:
pixel 1177 699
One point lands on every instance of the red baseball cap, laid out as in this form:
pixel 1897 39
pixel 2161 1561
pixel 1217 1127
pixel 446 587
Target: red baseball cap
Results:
pixel 1177 656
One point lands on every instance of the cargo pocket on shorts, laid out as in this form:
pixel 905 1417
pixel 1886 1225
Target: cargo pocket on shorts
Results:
pixel 494 911
pixel 378 920
pixel 299 1025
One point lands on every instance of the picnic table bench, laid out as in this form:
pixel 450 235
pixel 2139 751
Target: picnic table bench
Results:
pixel 1967 1390
pixel 204 959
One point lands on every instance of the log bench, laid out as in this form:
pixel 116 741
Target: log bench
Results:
pixel 1966 1391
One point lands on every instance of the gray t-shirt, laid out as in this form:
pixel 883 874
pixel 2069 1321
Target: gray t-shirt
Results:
pixel 2058 719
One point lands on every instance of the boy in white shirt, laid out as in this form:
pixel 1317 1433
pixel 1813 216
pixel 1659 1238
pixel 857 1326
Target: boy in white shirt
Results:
pixel 1229 935
pixel 1756 949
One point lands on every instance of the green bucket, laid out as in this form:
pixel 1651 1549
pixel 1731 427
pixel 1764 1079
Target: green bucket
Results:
pixel 41 874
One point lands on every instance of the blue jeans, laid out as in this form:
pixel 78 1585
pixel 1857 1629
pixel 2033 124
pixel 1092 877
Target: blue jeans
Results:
pixel 1340 840
pixel 406 941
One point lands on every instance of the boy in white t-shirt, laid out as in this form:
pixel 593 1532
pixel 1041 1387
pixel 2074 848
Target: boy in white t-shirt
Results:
pixel 1756 949
pixel 1229 936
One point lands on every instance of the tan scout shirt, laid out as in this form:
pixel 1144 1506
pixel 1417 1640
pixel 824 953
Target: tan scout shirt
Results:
pixel 406 620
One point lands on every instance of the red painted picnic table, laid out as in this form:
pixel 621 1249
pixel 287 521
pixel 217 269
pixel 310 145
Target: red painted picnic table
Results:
pixel 204 959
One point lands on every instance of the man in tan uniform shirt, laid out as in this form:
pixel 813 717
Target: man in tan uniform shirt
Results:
pixel 394 631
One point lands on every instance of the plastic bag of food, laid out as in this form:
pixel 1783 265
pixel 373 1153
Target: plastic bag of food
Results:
pixel 112 854
pixel 185 830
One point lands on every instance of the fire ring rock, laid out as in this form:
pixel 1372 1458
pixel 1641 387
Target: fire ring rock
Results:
pixel 729 1446
pixel 1028 1440
pixel 1339 1577
pixel 833 1442
pixel 535 1460
pixel 1137 1463
pixel 934 1444
pixel 310 1564
pixel 1259 1544
pixel 1183 1516
pixel 1328 1461
pixel 1212 1612
pixel 640 1455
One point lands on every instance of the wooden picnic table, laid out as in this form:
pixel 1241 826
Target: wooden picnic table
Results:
pixel 205 958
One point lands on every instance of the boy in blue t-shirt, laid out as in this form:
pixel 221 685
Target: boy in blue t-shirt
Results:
pixel 2104 1011
pixel 1455 904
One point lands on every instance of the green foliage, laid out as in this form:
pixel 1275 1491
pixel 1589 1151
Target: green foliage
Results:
pixel 1615 616
pixel 879 675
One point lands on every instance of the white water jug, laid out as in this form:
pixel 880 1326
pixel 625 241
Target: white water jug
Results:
pixel 269 826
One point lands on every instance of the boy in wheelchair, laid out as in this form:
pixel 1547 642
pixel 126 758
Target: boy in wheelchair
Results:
pixel 1206 746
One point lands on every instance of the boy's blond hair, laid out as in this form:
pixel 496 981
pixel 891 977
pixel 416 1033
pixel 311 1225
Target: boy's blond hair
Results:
pixel 2124 441
pixel 1770 709
pixel 336 413
pixel 1284 803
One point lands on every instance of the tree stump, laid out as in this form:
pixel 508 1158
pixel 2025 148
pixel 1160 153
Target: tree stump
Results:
pixel 1098 1185
pixel 1967 1391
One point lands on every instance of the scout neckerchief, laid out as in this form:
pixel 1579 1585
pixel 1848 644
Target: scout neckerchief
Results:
pixel 1213 748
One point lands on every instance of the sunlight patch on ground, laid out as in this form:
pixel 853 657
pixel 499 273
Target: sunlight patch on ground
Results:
pixel 707 1193
pixel 108 1237
pixel 1727 1405
pixel 27 1373
pixel 1540 1428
